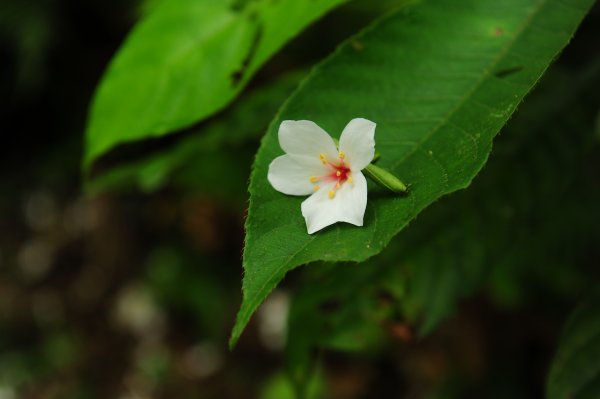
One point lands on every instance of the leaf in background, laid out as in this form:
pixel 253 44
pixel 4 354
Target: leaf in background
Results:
pixel 440 79
pixel 343 307
pixel 215 160
pixel 575 371
pixel 186 60
pixel 184 282
pixel 279 387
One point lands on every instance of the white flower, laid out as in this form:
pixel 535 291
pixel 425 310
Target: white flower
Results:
pixel 313 165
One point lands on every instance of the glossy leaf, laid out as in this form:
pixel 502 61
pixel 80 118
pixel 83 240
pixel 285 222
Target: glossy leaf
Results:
pixel 186 60
pixel 532 188
pixel 440 79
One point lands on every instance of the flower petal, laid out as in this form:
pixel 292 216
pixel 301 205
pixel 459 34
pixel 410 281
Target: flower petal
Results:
pixel 348 205
pixel 306 139
pixel 358 143
pixel 289 176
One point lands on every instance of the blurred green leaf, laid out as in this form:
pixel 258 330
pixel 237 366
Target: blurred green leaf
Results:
pixel 343 307
pixel 216 159
pixel 186 60
pixel 181 282
pixel 575 371
pixel 280 387
pixel 438 97
pixel 154 363
pixel 60 349
pixel 30 27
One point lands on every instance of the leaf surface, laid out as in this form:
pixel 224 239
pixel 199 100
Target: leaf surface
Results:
pixel 186 60
pixel 524 225
pixel 440 79
pixel 531 188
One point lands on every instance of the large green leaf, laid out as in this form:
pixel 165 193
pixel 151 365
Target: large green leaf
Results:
pixel 575 372
pixel 532 188
pixel 186 60
pixel 440 79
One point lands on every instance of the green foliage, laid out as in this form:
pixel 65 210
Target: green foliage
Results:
pixel 575 372
pixel 440 79
pixel 343 307
pixel 186 60
pixel 279 387
pixel 135 295
pixel 177 281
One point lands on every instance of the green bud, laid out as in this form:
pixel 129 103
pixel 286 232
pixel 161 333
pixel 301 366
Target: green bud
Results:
pixel 385 179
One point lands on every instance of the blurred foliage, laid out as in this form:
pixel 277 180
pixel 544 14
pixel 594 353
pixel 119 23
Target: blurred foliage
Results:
pixel 575 371
pixel 279 387
pixel 28 27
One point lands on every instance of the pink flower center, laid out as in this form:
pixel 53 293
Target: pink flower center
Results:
pixel 338 171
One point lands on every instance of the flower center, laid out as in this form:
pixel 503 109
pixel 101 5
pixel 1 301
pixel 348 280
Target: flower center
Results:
pixel 338 171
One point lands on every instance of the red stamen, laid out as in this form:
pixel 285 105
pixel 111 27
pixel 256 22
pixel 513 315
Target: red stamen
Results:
pixel 340 173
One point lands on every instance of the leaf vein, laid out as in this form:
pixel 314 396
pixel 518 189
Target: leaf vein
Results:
pixel 487 73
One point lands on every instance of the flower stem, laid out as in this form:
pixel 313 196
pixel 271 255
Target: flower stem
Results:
pixel 385 179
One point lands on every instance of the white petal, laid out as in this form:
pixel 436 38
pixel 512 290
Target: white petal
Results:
pixel 306 139
pixel 348 205
pixel 291 176
pixel 358 143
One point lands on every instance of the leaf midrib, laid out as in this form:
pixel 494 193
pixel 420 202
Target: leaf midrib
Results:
pixel 484 76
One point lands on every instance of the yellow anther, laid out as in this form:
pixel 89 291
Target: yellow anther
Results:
pixel 313 179
pixel 316 188
pixel 350 179
pixel 323 159
pixel 331 194
pixel 338 173
pixel 342 155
